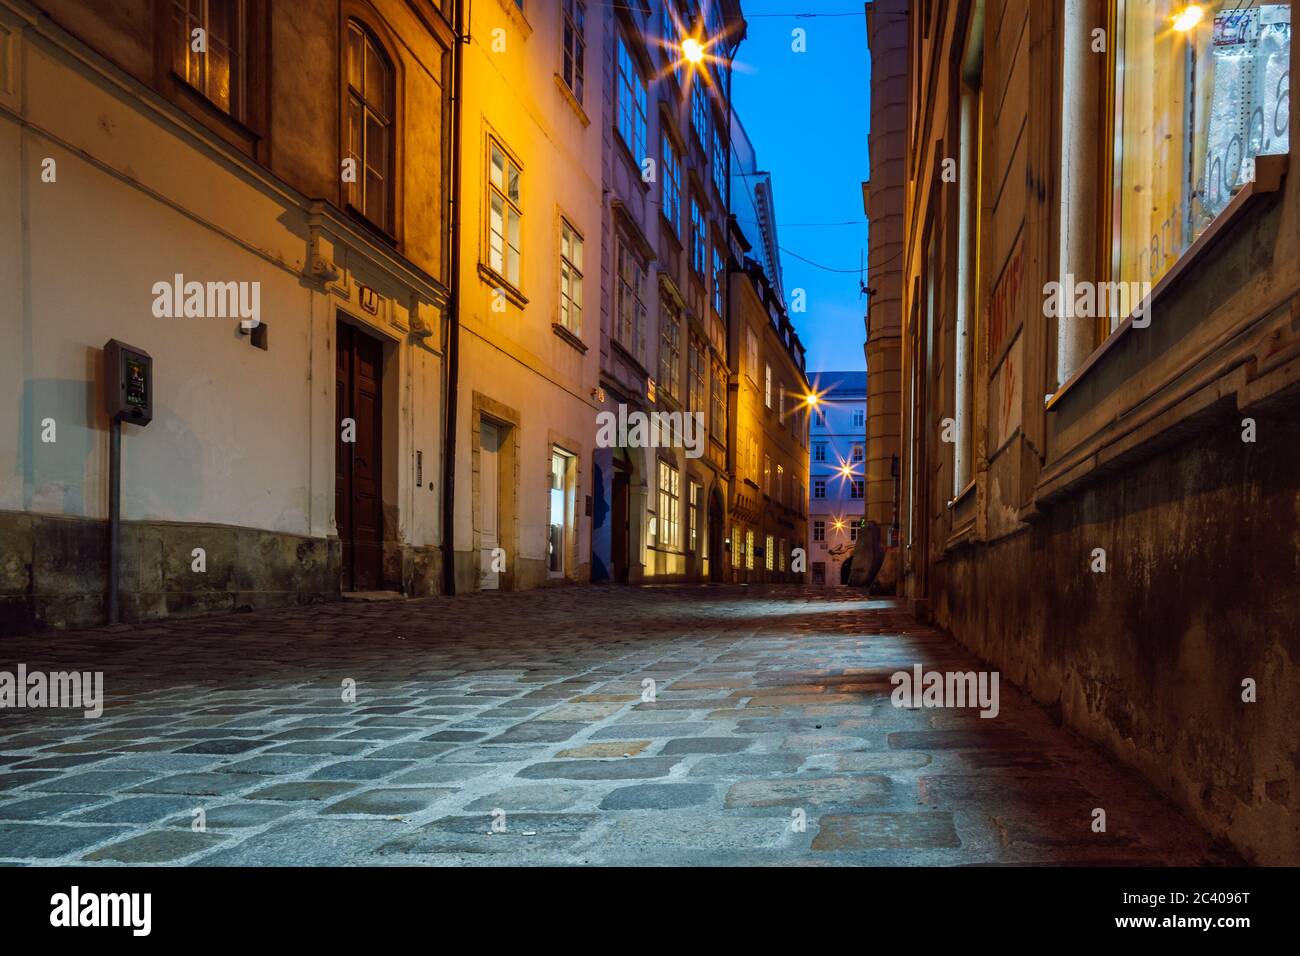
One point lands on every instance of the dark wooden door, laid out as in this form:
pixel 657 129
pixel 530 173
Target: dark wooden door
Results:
pixel 717 549
pixel 618 524
pixel 358 497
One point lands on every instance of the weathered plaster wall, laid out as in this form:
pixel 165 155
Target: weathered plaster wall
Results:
pixel 1201 591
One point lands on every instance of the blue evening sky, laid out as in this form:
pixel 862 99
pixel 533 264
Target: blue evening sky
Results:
pixel 807 115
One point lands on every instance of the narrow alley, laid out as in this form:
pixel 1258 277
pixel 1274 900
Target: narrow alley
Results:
pixel 711 725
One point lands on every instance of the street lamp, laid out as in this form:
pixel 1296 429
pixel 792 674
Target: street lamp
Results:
pixel 1188 17
pixel 692 50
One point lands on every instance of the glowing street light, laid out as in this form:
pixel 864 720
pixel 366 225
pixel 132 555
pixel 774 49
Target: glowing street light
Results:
pixel 692 50
pixel 846 469
pixel 1188 17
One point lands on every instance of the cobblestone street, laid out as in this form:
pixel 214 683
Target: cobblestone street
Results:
pixel 766 704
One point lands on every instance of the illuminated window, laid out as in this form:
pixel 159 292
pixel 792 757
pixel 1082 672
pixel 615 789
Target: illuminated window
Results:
pixel 736 546
pixel 749 549
pixel 1197 99
pixel 210 50
pixel 767 386
pixel 370 128
pixel 695 490
pixel 669 517
pixel 769 553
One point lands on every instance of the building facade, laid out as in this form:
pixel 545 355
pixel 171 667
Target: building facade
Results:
pixel 256 196
pixel 660 500
pixel 1101 460
pixel 837 473
pixel 768 505
pixel 532 128
pixel 883 198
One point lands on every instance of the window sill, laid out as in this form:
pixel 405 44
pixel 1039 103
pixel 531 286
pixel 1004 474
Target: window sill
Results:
pixel 515 14
pixel 498 281
pixel 571 98
pixel 568 337
pixel 1269 172
pixel 370 226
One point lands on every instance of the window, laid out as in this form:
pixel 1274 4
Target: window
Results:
pixel 504 214
pixel 853 531
pixel 719 401
pixel 769 552
pixel 669 523
pixel 1194 105
pixel 767 475
pixel 631 102
pixel 767 385
pixel 819 530
pixel 570 278
pixel 699 244
pixel 780 401
pixel 780 483
pixel 575 45
pixel 780 554
pixel 819 488
pixel 670 348
pixel 218 69
pixel 370 127
pixel 693 515
pixel 695 376
pixel 749 549
pixel 751 354
pixel 819 451
pixel 559 513
pixel 719 165
pixel 629 325
pixel 857 490
pixel 668 27
pixel 736 546
pixel 719 281
pixel 672 184
pixel 700 114
pixel 859 418
pixel 857 453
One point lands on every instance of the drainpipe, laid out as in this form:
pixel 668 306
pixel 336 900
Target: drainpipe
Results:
pixel 452 352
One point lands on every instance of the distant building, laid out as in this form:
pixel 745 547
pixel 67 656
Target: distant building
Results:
pixel 837 468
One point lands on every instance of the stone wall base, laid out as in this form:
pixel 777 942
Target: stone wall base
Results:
pixel 54 571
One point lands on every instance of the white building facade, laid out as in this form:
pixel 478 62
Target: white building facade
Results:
pixel 837 451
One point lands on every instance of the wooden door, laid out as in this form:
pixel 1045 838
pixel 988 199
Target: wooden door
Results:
pixel 358 479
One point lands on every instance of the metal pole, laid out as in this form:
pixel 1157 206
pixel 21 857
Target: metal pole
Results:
pixel 114 515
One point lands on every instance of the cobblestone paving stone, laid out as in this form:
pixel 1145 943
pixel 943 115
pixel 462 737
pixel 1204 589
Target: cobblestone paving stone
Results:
pixel 770 705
